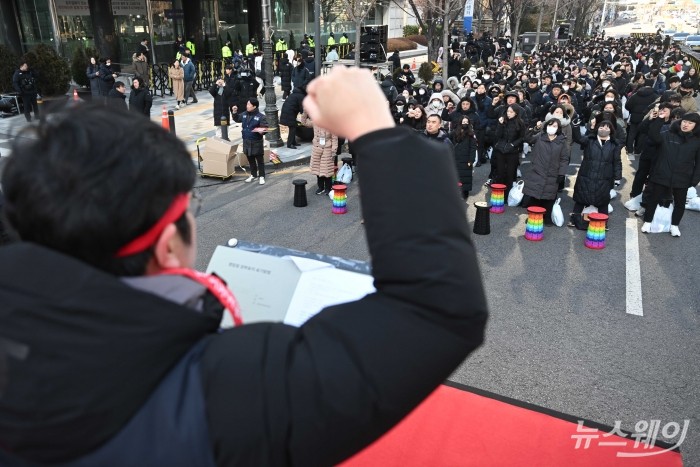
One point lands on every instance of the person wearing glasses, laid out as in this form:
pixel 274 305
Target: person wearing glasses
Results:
pixel 109 339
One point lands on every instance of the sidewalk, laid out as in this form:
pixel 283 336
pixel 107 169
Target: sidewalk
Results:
pixel 196 121
pixel 191 123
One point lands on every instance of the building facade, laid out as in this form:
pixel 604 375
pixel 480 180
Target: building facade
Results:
pixel 115 27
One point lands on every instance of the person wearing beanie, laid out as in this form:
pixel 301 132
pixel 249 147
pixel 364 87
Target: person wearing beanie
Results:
pixel 398 109
pixel 677 168
pixel 601 169
pixel 308 61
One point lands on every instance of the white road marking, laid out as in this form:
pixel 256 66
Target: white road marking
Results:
pixel 633 274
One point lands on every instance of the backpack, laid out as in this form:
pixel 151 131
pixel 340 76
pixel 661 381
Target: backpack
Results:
pixel 27 83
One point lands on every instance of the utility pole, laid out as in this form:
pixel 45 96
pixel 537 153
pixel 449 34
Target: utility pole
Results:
pixel 539 26
pixel 273 136
pixel 317 38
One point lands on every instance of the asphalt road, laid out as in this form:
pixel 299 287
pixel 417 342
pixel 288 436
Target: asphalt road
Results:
pixel 559 335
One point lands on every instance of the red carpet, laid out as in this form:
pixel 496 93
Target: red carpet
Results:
pixel 456 427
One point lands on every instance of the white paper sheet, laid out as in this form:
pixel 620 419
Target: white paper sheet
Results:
pixel 320 288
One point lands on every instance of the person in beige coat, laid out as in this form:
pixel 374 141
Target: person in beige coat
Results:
pixel 325 145
pixel 177 75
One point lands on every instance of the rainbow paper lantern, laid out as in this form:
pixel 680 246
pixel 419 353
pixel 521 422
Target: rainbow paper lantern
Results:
pixel 534 229
pixel 498 198
pixel 595 235
pixel 340 199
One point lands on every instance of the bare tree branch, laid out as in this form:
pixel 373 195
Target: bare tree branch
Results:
pixel 357 11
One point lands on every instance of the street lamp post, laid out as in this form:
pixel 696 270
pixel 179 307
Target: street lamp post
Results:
pixel 273 136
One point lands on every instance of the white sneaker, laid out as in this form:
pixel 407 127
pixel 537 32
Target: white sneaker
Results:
pixel 646 227
pixel 262 182
pixel 674 231
pixel 250 179
pixel 640 212
pixel 177 107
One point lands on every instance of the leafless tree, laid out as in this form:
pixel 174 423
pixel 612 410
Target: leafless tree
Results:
pixel 329 13
pixel 498 9
pixel 435 18
pixel 516 10
pixel 583 12
pixel 357 11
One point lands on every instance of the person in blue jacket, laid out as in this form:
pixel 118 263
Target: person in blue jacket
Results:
pixel 190 75
pixel 251 120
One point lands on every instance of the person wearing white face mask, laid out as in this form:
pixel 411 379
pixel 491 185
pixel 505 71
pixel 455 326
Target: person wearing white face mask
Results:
pixel 549 161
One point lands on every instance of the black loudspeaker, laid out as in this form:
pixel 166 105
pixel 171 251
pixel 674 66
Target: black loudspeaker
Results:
pixel 373 43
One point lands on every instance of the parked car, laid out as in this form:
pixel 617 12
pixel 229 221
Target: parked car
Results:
pixel 679 36
pixel 693 42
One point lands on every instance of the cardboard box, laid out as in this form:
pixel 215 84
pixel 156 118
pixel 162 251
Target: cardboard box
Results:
pixel 217 149
pixel 241 159
pixel 220 168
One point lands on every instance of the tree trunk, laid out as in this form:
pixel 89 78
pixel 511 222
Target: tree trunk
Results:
pixel 514 35
pixel 539 26
pixel 358 35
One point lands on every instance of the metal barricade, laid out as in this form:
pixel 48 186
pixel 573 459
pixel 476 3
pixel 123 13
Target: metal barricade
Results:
pixel 160 81
pixel 693 56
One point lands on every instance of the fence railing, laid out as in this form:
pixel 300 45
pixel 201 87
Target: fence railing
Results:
pixel 207 72
pixel 693 56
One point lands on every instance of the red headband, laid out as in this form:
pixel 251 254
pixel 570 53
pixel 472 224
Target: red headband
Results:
pixel 148 238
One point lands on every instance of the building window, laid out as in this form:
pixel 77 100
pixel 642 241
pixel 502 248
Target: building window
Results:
pixel 35 23
pixel 233 22
pixel 76 33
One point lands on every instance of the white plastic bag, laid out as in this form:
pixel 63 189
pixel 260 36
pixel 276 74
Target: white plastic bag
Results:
pixel 693 204
pixel 590 209
pixel 662 219
pixel 557 214
pixel 344 175
pixel 330 194
pixel 634 203
pixel 613 194
pixel 516 193
pixel 692 193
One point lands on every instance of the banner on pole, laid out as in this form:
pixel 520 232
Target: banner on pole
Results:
pixel 468 14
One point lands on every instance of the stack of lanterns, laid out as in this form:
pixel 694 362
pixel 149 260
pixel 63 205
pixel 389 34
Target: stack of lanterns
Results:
pixel 534 229
pixel 595 235
pixel 340 199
